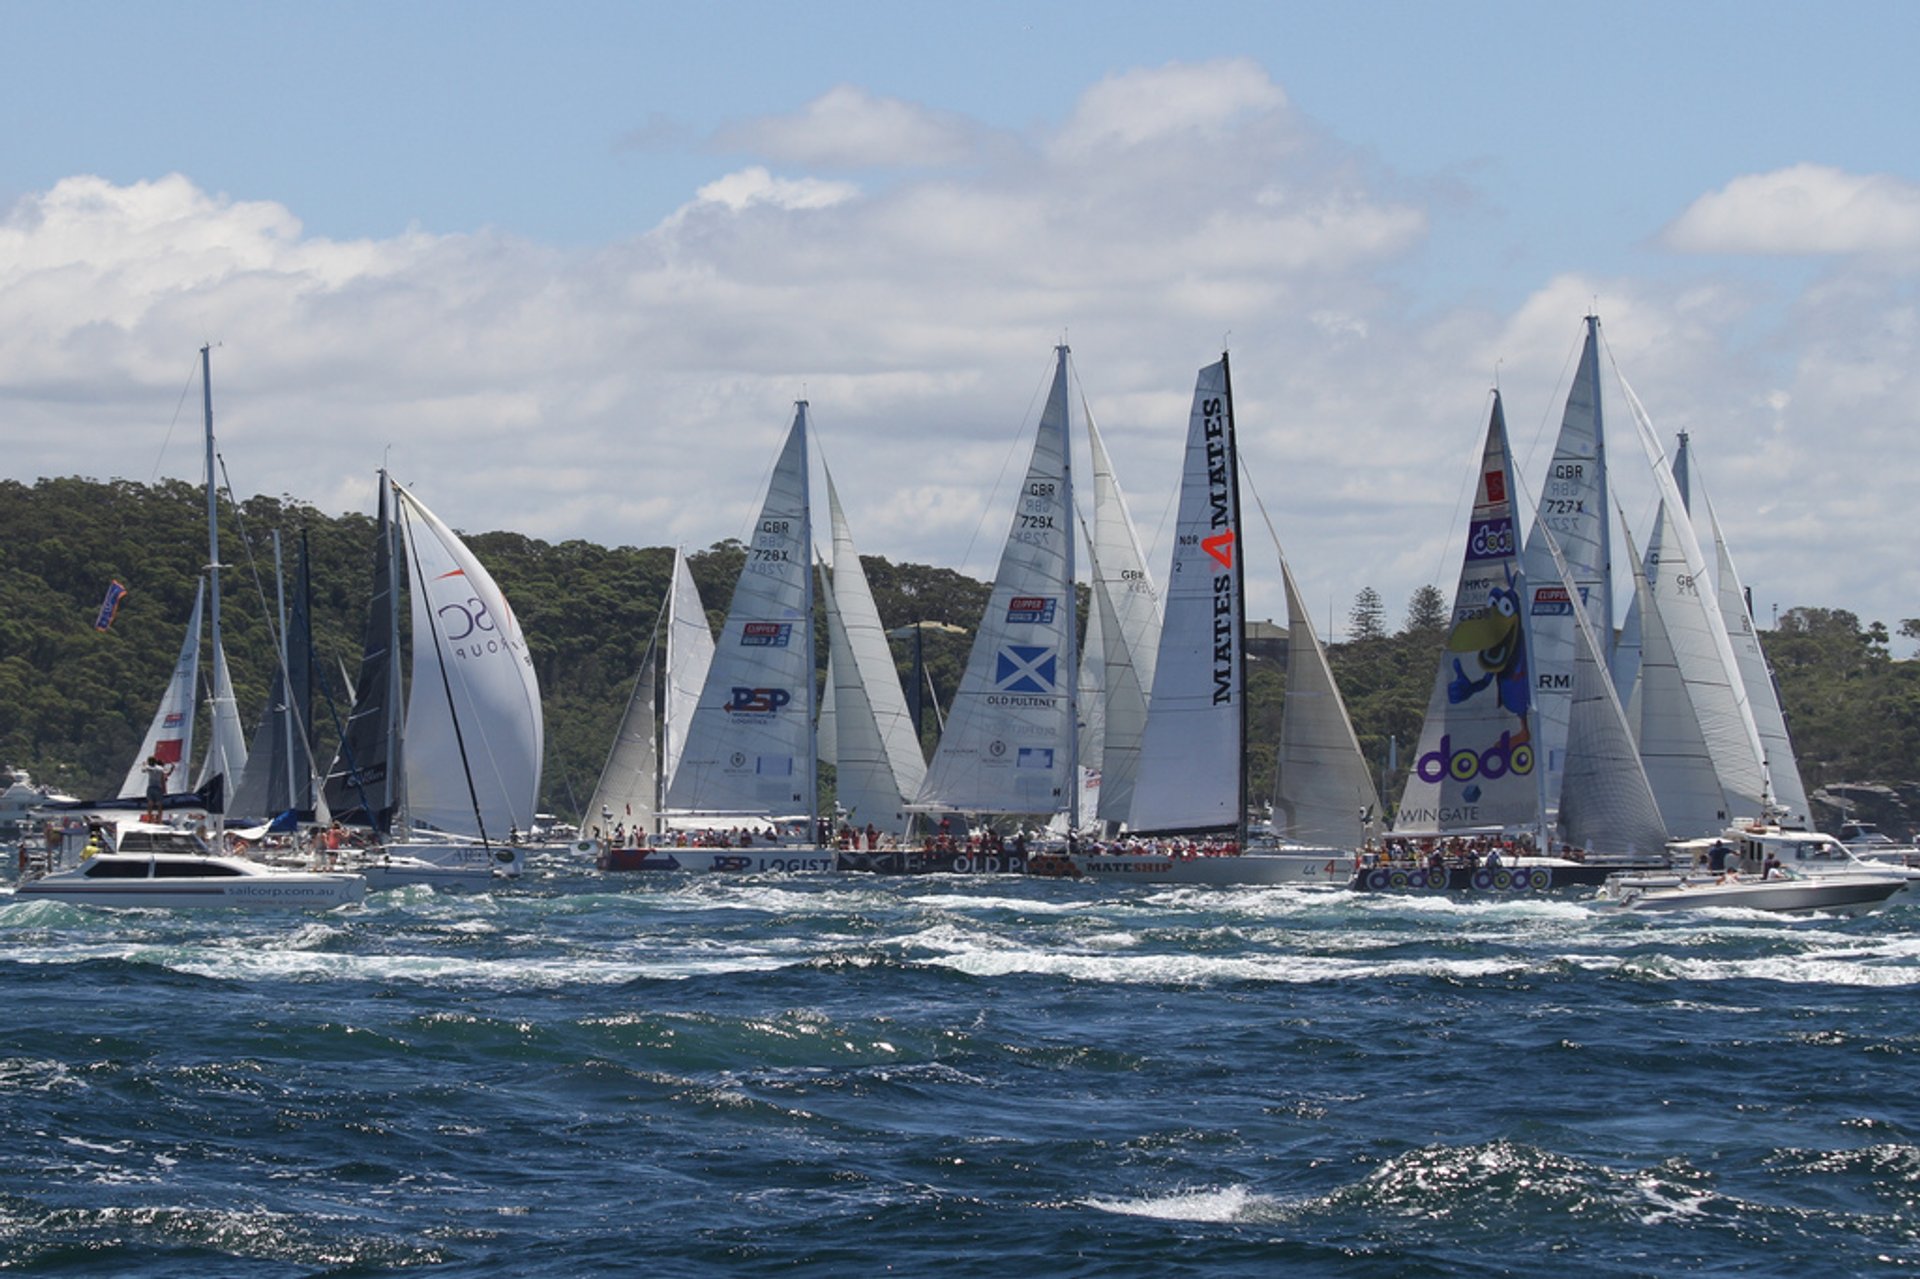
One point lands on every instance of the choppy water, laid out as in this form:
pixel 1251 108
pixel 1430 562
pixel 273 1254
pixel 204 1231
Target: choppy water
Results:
pixel 843 1075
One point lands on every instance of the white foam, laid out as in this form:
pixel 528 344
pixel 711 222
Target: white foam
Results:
pixel 1230 1203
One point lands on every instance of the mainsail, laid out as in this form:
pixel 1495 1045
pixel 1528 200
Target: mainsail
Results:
pixel 628 788
pixel 475 737
pixel 1672 749
pixel 1677 577
pixel 1573 505
pixel 1783 770
pixel 1125 620
pixel 1009 746
pixel 689 656
pixel 1192 756
pixel 749 745
pixel 363 784
pixel 1476 763
pixel 877 759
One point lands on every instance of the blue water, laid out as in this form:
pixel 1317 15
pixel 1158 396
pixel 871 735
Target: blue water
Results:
pixel 996 1077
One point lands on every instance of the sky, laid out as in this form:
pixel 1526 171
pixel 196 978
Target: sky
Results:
pixel 564 269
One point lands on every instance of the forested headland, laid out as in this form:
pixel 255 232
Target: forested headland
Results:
pixel 75 701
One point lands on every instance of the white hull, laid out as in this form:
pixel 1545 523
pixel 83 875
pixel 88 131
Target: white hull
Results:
pixel 509 860
pixel 1833 894
pixel 388 872
pixel 1317 866
pixel 267 891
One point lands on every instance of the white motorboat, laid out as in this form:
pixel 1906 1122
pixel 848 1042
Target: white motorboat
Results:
pixel 150 865
pixel 1844 894
pixel 1869 842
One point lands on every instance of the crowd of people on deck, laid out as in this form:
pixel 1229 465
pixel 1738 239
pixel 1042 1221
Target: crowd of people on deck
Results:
pixel 1155 846
pixel 1434 852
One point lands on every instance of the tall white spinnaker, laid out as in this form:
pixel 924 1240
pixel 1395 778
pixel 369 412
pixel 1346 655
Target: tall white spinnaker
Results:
pixel 750 746
pixel 1756 676
pixel 170 736
pixel 1192 775
pixel 1009 743
pixel 877 759
pixel 1125 619
pixel 475 738
pixel 1475 767
pixel 1574 506
pixel 1325 793
pixel 1677 577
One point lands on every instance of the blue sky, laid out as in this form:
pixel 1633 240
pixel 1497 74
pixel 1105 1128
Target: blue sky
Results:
pixel 459 226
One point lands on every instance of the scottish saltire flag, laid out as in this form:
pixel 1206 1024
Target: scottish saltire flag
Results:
pixel 109 606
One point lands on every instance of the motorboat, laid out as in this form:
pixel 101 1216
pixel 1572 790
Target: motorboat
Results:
pixel 1869 842
pixel 1843 894
pixel 142 864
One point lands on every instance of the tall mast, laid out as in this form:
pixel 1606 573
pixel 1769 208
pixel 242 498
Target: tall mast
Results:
pixel 1070 603
pixel 1239 608
pixel 213 572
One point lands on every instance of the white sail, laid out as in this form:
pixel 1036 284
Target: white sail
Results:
pixel 1092 687
pixel 1475 766
pixel 1326 793
pixel 474 734
pixel 626 792
pixel 877 752
pixel 1008 746
pixel 1677 577
pixel 227 742
pixel 689 655
pixel 1573 504
pixel 1192 757
pixel 749 743
pixel 1126 618
pixel 1783 770
pixel 1606 799
pixel 170 736
pixel 1672 749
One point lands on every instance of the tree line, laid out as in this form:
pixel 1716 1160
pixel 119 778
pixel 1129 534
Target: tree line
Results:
pixel 75 701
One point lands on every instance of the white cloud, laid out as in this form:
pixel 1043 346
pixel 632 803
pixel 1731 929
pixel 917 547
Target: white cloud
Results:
pixel 848 128
pixel 635 393
pixel 1806 209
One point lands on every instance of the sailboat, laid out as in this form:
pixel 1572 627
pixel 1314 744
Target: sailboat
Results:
pixel 1477 770
pixel 621 813
pixel 449 782
pixel 277 783
pixel 1010 742
pixel 1191 788
pixel 747 765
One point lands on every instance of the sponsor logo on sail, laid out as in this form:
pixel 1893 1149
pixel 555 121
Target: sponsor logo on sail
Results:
pixel 758 701
pixel 1503 757
pixel 1032 610
pixel 766 634
pixel 1026 668
pixel 1491 539
pixel 1035 757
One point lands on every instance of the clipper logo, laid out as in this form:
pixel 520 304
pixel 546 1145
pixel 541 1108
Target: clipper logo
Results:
pixel 1552 601
pixel 1034 757
pixel 1026 668
pixel 758 701
pixel 1034 610
pixel 174 719
pixel 766 634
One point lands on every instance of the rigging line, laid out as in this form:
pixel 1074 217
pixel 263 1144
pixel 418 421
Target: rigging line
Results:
pixel 646 670
pixel 1555 397
pixel 177 408
pixel 1464 495
pixel 1006 460
pixel 446 683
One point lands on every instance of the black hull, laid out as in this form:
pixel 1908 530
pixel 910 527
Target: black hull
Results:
pixel 917 861
pixel 1490 880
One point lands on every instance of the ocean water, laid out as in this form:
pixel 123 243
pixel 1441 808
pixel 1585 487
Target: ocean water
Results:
pixel 842 1075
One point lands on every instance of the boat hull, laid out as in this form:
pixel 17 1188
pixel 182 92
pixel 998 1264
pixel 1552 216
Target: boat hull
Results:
pixel 275 892
pixel 385 873
pixel 1524 875
pixel 921 861
pixel 1321 866
pixel 1830 894
pixel 719 861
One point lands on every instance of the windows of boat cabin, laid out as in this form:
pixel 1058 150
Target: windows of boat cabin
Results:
pixel 117 868
pixel 192 870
